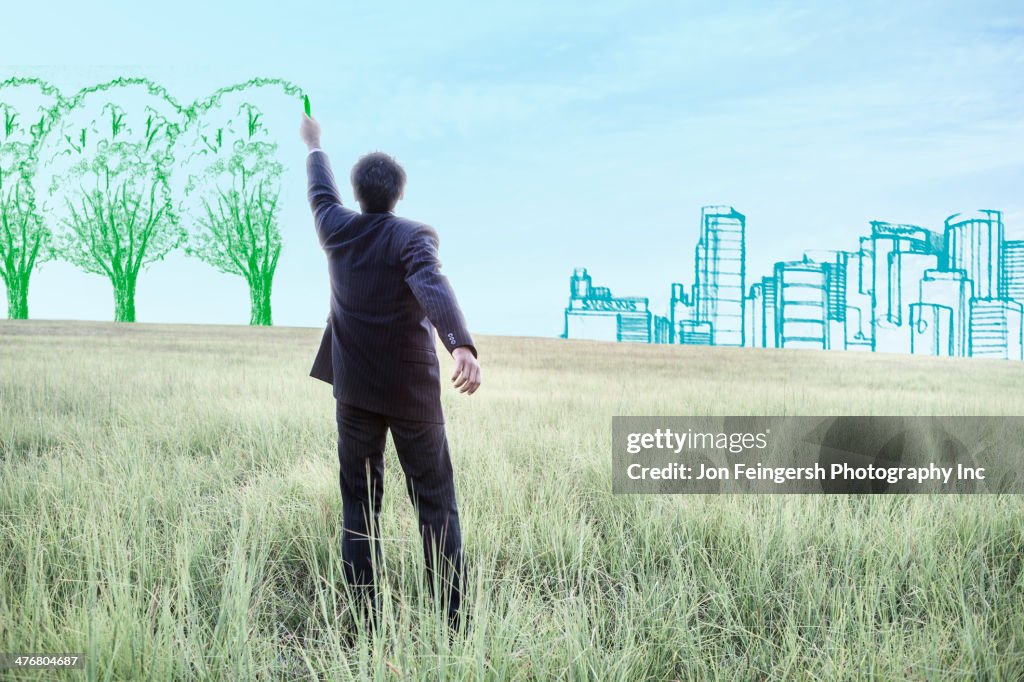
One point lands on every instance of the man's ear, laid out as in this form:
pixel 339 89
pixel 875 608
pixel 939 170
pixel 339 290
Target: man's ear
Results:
pixel 401 195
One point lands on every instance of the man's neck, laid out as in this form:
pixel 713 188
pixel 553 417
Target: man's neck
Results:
pixel 364 210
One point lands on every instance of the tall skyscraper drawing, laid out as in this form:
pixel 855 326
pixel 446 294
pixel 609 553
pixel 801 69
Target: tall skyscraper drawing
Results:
pixel 595 314
pixel 719 284
pixel 974 244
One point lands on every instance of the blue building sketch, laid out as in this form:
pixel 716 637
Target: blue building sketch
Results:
pixel 905 289
pixel 974 244
pixel 902 253
pixel 1012 279
pixel 712 313
pixel 719 286
pixel 802 310
pixel 595 314
pixel 942 290
pixel 996 328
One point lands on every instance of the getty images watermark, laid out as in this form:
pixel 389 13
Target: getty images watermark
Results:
pixel 818 454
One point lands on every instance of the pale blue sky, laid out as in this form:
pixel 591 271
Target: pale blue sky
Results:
pixel 541 136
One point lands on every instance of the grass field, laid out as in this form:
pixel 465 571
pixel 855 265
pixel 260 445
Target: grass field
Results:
pixel 169 505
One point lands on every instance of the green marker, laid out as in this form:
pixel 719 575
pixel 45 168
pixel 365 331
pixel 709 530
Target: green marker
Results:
pixel 305 103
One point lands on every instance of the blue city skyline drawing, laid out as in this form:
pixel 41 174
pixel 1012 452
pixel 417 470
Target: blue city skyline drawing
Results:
pixel 905 289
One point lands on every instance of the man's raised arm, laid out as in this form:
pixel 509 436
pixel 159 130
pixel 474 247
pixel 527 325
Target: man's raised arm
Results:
pixel 328 212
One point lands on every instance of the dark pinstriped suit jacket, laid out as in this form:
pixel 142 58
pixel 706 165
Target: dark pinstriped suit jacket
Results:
pixel 387 296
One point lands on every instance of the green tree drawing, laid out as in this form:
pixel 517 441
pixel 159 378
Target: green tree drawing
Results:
pixel 118 214
pixel 236 192
pixel 24 238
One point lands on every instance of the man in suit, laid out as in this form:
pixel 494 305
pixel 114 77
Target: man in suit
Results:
pixel 387 297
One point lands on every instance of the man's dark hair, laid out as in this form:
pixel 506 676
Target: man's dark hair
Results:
pixel 378 181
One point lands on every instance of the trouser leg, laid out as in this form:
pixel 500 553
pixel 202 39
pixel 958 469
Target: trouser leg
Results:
pixel 423 452
pixel 361 439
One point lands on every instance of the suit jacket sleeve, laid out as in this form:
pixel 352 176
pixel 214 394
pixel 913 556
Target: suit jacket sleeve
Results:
pixel 328 213
pixel 432 289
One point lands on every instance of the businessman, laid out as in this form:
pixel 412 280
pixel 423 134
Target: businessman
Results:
pixel 387 297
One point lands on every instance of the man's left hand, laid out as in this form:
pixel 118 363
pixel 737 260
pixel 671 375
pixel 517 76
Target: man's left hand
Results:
pixel 467 371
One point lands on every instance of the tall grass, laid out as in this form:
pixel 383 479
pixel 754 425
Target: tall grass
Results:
pixel 169 505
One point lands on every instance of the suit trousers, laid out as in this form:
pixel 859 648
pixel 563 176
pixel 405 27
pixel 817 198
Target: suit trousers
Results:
pixel 424 456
